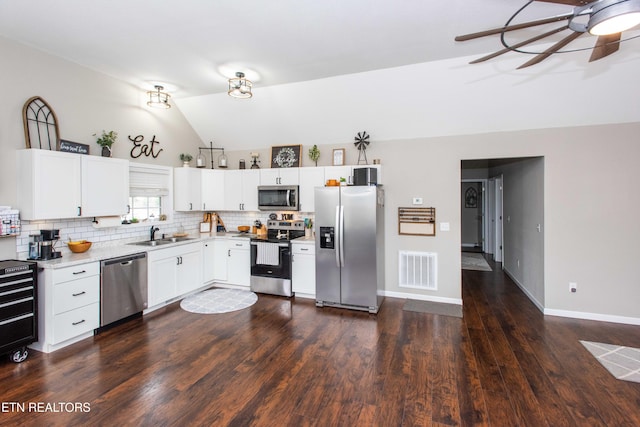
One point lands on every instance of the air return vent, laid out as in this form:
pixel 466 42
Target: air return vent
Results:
pixel 418 270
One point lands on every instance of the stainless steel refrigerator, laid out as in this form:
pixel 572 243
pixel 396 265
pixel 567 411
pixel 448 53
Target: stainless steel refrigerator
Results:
pixel 349 224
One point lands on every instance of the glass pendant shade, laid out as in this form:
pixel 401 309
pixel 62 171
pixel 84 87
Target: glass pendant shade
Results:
pixel 240 87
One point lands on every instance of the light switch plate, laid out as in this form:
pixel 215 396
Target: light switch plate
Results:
pixel 444 226
pixel 417 200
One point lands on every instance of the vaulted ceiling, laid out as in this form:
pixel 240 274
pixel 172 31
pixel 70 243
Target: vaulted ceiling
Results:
pixel 184 43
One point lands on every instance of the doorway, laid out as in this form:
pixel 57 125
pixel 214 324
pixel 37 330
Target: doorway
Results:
pixel 473 203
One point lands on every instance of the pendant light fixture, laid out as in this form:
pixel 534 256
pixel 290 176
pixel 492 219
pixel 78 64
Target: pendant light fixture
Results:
pixel 158 99
pixel 240 87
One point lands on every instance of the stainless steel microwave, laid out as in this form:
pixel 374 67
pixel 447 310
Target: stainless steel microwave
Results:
pixel 278 197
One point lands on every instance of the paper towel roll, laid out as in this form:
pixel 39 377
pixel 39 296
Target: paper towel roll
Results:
pixel 107 221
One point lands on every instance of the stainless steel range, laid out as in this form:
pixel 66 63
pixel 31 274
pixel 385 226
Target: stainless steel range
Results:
pixel 271 257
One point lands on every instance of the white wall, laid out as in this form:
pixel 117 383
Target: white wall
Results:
pixel 85 103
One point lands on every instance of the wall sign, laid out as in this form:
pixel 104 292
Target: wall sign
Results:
pixel 73 147
pixel 140 148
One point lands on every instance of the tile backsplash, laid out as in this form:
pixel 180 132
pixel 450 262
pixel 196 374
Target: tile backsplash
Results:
pixel 83 228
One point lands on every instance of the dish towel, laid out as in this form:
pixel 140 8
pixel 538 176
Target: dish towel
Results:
pixel 267 253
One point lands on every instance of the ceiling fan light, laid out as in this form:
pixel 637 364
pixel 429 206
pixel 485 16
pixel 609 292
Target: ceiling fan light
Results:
pixel 613 16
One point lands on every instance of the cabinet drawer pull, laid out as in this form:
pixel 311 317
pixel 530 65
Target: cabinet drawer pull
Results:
pixel 304 249
pixel 79 293
pixel 77 323
pixel 238 244
pixel 80 272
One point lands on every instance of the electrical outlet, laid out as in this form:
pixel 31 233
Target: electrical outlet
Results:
pixel 417 200
pixel 573 287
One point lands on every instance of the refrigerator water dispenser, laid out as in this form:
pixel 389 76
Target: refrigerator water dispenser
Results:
pixel 326 238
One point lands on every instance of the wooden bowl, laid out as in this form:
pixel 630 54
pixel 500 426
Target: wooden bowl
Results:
pixel 79 246
pixel 243 228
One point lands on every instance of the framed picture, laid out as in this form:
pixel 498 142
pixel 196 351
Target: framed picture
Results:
pixel 285 156
pixel 338 157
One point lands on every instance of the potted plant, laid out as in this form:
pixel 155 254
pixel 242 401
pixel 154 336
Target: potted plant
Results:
pixel 106 140
pixel 186 158
pixel 314 154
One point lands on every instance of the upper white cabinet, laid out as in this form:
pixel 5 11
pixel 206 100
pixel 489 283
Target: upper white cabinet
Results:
pixel 212 189
pixel 279 176
pixel 241 189
pixel 105 186
pixel 310 178
pixel 187 189
pixel 198 189
pixel 53 184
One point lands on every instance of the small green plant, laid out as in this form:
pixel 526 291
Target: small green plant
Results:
pixel 314 154
pixel 134 220
pixel 107 138
pixel 186 157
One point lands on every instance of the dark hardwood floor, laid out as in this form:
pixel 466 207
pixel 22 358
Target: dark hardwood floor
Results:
pixel 286 362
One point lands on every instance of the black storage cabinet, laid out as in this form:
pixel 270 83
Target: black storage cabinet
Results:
pixel 18 307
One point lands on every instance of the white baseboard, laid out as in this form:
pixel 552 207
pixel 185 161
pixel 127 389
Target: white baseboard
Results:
pixel 575 314
pixel 404 295
pixel 592 316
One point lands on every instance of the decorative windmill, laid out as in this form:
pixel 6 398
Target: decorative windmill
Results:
pixel 362 140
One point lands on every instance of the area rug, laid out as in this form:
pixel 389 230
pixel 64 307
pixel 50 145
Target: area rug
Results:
pixel 218 301
pixel 472 261
pixel 622 362
pixel 453 310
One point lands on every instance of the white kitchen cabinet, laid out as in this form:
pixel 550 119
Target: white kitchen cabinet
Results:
pixel 214 260
pixel 198 189
pixel 187 189
pixel 238 262
pixel 212 189
pixel 173 272
pixel 303 268
pixel 53 184
pixel 310 178
pixel 241 189
pixel 68 305
pixel 105 186
pixel 279 176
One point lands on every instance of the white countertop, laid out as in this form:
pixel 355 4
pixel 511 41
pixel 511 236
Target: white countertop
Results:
pixel 115 249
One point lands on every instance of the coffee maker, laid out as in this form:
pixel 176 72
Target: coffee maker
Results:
pixel 42 246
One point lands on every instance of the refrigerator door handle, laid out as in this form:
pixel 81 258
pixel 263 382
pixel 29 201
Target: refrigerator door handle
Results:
pixel 341 236
pixel 336 237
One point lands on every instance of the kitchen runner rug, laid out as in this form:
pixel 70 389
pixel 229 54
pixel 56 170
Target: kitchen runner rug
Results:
pixel 218 301
pixel 453 310
pixel 472 261
pixel 622 362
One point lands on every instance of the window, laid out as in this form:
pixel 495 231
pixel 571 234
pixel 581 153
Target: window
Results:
pixel 144 208
pixel 149 195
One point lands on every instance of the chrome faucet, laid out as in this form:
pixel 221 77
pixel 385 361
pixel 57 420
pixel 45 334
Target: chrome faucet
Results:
pixel 153 233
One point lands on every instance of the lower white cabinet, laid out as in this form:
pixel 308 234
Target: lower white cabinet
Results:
pixel 239 262
pixel 303 268
pixel 214 261
pixel 68 305
pixel 174 272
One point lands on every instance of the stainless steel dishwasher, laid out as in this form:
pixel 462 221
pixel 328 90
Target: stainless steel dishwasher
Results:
pixel 123 287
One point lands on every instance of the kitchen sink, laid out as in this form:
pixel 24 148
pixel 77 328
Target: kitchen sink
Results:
pixel 160 242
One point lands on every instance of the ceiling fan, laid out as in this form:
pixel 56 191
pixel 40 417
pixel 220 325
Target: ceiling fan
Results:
pixel 603 18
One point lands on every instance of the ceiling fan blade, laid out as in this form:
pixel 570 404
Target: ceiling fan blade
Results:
pixel 605 46
pixel 493 31
pixel 518 45
pixel 553 49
